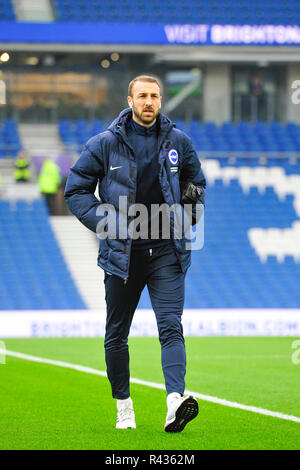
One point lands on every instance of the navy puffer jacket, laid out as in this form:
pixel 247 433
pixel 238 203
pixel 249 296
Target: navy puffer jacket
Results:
pixel 112 149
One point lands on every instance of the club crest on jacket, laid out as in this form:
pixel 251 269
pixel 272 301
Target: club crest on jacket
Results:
pixel 173 156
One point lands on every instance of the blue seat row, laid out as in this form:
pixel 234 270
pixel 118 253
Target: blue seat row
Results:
pixel 153 11
pixel 243 136
pixel 77 133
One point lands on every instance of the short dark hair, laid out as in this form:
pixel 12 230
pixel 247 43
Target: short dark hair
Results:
pixel 143 78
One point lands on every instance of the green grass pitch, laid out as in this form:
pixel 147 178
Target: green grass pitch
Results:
pixel 48 407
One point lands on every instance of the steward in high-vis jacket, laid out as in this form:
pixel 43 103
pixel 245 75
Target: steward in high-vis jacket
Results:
pixel 49 177
pixel 108 158
pixel 22 172
pixel 49 181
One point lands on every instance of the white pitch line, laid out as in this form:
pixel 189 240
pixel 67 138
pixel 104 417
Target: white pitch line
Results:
pixel 89 370
pixel 276 356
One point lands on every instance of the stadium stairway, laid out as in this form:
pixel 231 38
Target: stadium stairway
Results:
pixel 6 170
pixel 10 190
pixel 33 10
pixel 41 139
pixel 80 249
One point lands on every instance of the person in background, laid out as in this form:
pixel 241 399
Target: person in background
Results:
pixel 22 171
pixel 257 97
pixel 256 86
pixel 49 181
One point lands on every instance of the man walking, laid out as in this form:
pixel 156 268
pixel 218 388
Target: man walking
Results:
pixel 142 157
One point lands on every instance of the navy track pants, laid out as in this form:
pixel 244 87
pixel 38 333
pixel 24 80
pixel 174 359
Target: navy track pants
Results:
pixel 159 269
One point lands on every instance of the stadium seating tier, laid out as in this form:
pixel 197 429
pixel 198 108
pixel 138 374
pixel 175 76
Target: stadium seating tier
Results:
pixel 169 11
pixel 192 11
pixel 33 272
pixel 243 136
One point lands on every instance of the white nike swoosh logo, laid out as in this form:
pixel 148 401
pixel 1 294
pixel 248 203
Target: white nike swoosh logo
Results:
pixel 114 167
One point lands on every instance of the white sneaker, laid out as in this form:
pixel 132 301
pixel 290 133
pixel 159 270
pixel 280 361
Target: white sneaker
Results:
pixel 125 417
pixel 181 410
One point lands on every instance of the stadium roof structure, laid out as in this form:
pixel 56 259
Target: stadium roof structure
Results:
pixel 209 43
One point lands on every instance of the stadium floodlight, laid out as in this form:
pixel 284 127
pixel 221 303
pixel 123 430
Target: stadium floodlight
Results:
pixel 32 60
pixel 4 57
pixel 115 56
pixel 105 63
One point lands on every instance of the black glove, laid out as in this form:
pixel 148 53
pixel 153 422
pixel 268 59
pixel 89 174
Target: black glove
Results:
pixel 190 194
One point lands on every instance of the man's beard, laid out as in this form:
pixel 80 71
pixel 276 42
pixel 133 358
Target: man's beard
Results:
pixel 146 120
